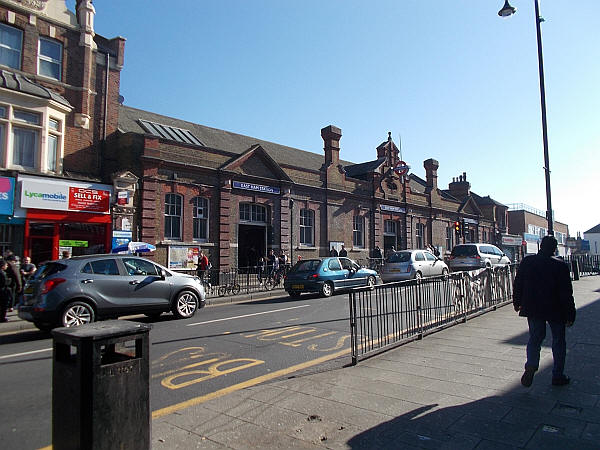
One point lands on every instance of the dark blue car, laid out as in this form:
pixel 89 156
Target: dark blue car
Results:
pixel 327 275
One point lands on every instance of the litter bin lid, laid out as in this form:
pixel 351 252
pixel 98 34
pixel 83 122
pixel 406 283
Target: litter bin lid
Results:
pixel 102 330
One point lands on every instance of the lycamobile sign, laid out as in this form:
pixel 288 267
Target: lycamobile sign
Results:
pixel 53 197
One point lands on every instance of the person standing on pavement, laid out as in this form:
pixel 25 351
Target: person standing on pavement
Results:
pixel 333 251
pixel 543 293
pixel 4 290
pixel 202 265
pixel 27 269
pixel 14 280
pixel 343 252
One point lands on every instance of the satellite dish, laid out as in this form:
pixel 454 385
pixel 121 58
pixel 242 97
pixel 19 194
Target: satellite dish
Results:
pixel 121 99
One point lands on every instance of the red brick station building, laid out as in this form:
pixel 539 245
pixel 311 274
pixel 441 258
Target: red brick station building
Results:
pixel 80 171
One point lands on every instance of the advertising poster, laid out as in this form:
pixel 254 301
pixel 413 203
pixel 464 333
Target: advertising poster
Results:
pixel 7 194
pixel 183 257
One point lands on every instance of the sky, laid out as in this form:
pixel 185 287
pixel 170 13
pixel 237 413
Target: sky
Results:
pixel 451 80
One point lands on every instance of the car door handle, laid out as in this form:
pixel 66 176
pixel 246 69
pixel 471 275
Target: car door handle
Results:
pixel 134 282
pixel 87 281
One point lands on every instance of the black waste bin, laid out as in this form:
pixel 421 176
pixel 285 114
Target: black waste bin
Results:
pixel 100 386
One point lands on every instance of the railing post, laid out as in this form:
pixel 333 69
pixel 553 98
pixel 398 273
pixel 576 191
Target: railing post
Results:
pixel 353 331
pixel 419 308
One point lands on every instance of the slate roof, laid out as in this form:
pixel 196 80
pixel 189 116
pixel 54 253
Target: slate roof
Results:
pixel 487 200
pixel 362 169
pixel 595 229
pixel 221 139
pixel 20 83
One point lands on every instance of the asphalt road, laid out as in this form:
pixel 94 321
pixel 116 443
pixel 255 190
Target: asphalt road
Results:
pixel 222 349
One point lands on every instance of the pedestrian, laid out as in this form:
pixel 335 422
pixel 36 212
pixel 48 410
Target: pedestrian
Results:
pixel 377 253
pixel 27 269
pixel 14 280
pixel 543 293
pixel 343 252
pixel 66 254
pixel 333 251
pixel 202 265
pixel 262 266
pixel 4 290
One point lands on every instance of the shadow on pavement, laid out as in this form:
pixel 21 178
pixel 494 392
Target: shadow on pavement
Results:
pixel 543 416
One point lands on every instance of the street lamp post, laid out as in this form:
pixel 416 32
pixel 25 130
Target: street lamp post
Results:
pixel 508 10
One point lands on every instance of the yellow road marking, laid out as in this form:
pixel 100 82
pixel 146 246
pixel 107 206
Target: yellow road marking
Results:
pixel 245 384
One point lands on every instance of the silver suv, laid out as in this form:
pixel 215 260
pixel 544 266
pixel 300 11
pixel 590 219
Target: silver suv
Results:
pixel 476 256
pixel 82 289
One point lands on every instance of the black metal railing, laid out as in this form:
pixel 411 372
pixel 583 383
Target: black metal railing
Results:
pixel 583 265
pixel 394 313
pixel 240 280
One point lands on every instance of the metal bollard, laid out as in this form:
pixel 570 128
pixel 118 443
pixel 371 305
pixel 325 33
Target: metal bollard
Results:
pixel 100 386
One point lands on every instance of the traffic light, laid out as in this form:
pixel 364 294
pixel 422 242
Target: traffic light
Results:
pixel 458 227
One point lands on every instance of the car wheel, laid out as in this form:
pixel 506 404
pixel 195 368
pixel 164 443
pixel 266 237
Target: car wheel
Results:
pixel 294 294
pixel 77 313
pixel 45 327
pixel 327 289
pixel 371 281
pixel 418 276
pixel 186 305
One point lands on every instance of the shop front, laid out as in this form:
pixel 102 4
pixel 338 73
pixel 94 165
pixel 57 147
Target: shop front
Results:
pixel 64 217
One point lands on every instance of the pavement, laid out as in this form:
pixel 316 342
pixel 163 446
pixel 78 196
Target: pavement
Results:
pixel 458 388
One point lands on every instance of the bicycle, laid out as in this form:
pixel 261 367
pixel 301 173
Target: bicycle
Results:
pixel 273 280
pixel 233 289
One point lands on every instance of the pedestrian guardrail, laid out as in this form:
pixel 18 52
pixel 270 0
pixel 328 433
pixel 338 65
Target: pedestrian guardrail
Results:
pixel 240 280
pixel 583 265
pixel 394 313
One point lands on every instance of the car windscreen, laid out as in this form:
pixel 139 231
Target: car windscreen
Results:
pixel 398 257
pixel 49 269
pixel 306 266
pixel 464 250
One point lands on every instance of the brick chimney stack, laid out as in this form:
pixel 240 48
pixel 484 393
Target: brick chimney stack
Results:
pixel 460 187
pixel 431 167
pixel 331 139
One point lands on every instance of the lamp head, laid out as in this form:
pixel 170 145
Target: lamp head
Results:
pixel 507 10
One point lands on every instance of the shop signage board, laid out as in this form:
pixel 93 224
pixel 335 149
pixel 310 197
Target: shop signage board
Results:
pixel 512 241
pixel 7 195
pixel 256 187
pixel 72 243
pixel 394 209
pixel 121 237
pixel 48 193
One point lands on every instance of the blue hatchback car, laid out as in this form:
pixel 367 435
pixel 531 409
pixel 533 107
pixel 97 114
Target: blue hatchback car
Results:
pixel 327 275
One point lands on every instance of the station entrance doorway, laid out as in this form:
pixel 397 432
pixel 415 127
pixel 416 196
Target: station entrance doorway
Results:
pixel 252 244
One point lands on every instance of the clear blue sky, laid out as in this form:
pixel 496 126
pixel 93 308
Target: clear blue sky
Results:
pixel 456 81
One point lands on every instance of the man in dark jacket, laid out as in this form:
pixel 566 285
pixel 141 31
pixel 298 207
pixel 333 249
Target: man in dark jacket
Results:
pixel 543 293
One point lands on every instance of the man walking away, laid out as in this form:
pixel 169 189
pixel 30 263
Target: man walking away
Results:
pixel 343 252
pixel 543 293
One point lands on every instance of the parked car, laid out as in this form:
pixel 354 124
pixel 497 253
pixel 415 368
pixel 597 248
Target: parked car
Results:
pixel 476 256
pixel 327 275
pixel 411 264
pixel 82 289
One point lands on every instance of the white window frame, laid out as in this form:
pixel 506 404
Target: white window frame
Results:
pixel 19 51
pixel 307 227
pixel 47 114
pixel 450 237
pixel 49 59
pixel 200 218
pixel 390 227
pixel 420 235
pixel 253 213
pixel 173 209
pixel 358 231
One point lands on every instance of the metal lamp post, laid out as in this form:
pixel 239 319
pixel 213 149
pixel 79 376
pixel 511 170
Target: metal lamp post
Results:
pixel 508 10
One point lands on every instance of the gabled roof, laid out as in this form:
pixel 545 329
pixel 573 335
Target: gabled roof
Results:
pixel 20 83
pixel 222 140
pixel 595 229
pixel 487 200
pixel 256 151
pixel 362 169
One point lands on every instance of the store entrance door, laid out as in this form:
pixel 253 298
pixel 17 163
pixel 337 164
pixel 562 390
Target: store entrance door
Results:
pixel 41 242
pixel 252 244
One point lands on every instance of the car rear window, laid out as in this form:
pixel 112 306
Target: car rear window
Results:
pixel 399 257
pixel 49 269
pixel 306 266
pixel 464 250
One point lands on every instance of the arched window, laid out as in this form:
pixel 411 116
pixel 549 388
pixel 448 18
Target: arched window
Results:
pixel 200 218
pixel 253 213
pixel 172 216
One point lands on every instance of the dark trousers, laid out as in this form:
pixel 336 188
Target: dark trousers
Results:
pixel 537 333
